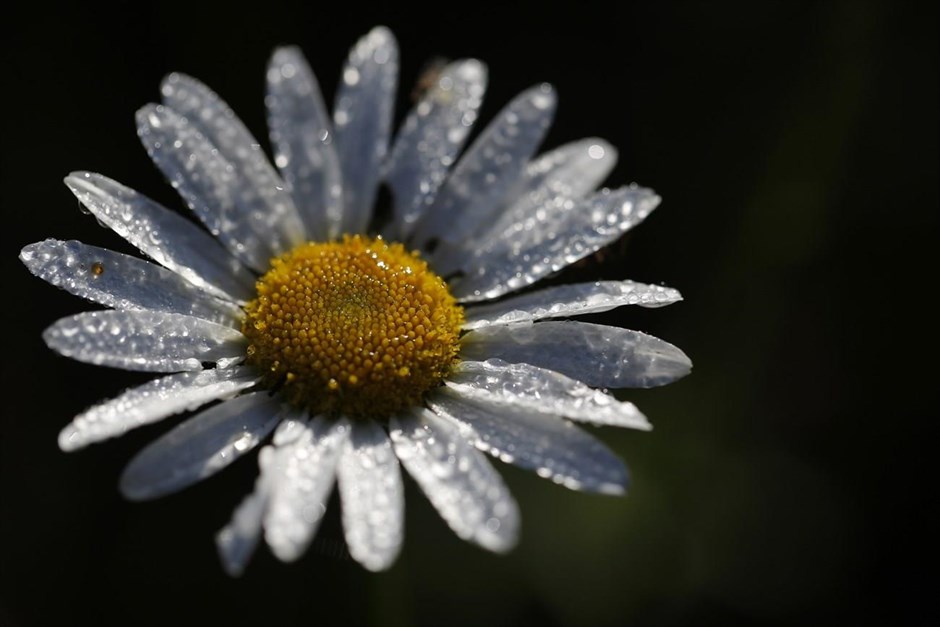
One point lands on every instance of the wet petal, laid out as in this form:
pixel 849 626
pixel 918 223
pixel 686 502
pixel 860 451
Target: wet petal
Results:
pixel 169 239
pixel 461 484
pixel 429 140
pixel 236 542
pixel 552 238
pixel 301 481
pixel 200 447
pixel 362 118
pixel 478 184
pixel 253 223
pixel 595 354
pixel 564 301
pixel 546 391
pixel 257 178
pixel 153 401
pixel 303 142
pixel 144 340
pixel 554 448
pixel 122 282
pixel 564 174
pixel 372 495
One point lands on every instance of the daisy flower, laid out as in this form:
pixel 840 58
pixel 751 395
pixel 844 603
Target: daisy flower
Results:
pixel 351 341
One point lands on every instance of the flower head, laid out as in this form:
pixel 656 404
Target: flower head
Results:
pixel 352 343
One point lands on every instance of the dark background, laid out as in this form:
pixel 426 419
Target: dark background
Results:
pixel 795 146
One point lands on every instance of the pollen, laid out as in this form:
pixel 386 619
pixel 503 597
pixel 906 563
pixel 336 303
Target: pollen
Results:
pixel 357 327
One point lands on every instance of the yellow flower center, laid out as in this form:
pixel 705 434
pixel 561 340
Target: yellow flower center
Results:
pixel 357 327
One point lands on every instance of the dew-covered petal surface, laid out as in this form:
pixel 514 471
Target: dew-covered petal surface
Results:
pixel 492 165
pixel 564 174
pixel 144 340
pixel 257 180
pixel 570 171
pixel 569 300
pixel 461 484
pixel 373 499
pixel 200 447
pixel 554 448
pixel 166 237
pixel 236 542
pixel 303 142
pixel 541 390
pixel 595 354
pixel 254 224
pixel 121 281
pixel 429 140
pixel 153 401
pixel 301 481
pixel 552 238
pixel 362 119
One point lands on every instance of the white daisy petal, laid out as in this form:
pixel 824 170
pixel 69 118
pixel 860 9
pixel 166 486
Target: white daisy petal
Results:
pixel 122 282
pixel 429 140
pixel 546 391
pixel 362 118
pixel 569 300
pixel 169 239
pixel 461 484
pixel 217 191
pixel 552 447
pixel 595 354
pixel 493 164
pixel 554 237
pixel 570 171
pixel 200 447
pixel 302 136
pixel 563 174
pixel 257 183
pixel 373 499
pixel 302 478
pixel 153 401
pixel 144 340
pixel 238 539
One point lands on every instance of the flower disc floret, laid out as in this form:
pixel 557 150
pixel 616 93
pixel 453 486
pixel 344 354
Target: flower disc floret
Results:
pixel 357 327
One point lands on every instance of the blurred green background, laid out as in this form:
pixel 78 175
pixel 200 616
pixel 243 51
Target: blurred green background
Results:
pixel 795 146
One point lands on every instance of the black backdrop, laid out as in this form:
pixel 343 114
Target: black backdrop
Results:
pixel 795 146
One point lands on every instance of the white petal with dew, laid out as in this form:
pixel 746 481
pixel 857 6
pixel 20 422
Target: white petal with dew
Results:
pixel 153 401
pixel 260 188
pixel 123 282
pixel 491 167
pixel 166 237
pixel 373 499
pixel 302 136
pixel 238 539
pixel 241 217
pixel 458 480
pixel 200 447
pixel 595 354
pixel 540 390
pixel 554 448
pixel 144 340
pixel 552 238
pixel 561 175
pixel 563 301
pixel 429 140
pixel 301 481
pixel 362 119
